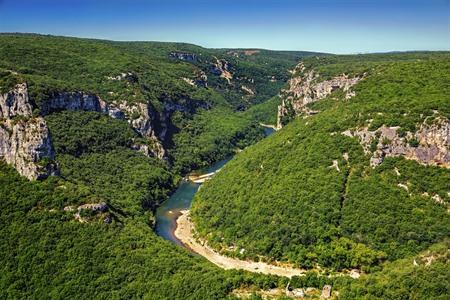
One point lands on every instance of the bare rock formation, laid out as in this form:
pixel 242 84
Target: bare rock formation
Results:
pixel 200 80
pixel 222 68
pixel 87 212
pixel 248 90
pixel 305 87
pixel 25 141
pixel 26 145
pixel 190 57
pixel 59 101
pixel 128 76
pixel 15 103
pixel 144 125
pixel 140 115
pixel 326 292
pixel 429 145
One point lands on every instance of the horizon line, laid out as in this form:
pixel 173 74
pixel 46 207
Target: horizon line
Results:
pixel 218 48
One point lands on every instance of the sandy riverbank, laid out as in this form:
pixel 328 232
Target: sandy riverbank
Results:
pixel 184 232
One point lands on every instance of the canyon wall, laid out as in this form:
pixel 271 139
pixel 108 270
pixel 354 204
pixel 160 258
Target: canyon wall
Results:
pixel 305 87
pixel 25 141
pixel 429 145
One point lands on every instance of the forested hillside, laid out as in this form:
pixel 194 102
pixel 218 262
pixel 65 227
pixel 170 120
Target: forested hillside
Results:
pixel 333 189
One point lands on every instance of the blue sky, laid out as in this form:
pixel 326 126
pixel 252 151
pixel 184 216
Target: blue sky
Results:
pixel 339 26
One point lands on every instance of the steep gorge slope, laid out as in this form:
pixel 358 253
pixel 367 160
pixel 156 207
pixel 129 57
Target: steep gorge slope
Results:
pixel 362 180
pixel 117 124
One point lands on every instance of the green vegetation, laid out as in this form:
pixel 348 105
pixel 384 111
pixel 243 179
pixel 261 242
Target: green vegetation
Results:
pixel 210 136
pixel 421 277
pixel 283 199
pixel 93 150
pixel 76 133
pixel 46 253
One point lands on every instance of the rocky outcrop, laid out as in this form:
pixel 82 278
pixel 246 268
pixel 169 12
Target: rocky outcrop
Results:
pixel 26 145
pixel 326 292
pixel 15 103
pixel 200 80
pixel 190 57
pixel 91 211
pixel 144 124
pixel 143 117
pixel 429 145
pixel 305 87
pixel 59 101
pixel 25 141
pixel 140 115
pixel 248 90
pixel 251 52
pixel 128 76
pixel 223 69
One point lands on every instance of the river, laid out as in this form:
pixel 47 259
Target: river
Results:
pixel 169 211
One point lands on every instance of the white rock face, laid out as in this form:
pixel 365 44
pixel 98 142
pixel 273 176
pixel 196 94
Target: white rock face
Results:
pixel 143 124
pixel 248 90
pixel 304 88
pixel 15 102
pixel 26 145
pixel 139 115
pixel 222 68
pixel 25 142
pixel 433 143
pixel 80 101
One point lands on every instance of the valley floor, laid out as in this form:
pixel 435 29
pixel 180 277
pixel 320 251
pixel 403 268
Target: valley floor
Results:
pixel 184 232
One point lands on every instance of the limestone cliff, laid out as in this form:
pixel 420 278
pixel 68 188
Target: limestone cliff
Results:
pixel 15 103
pixel 429 145
pixel 191 57
pixel 222 68
pixel 25 141
pixel 26 144
pixel 140 115
pixel 305 87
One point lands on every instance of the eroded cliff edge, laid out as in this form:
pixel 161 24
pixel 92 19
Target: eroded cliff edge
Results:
pixel 306 87
pixel 25 139
pixel 429 144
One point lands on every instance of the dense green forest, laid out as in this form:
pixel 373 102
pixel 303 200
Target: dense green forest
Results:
pixel 48 254
pixel 283 199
